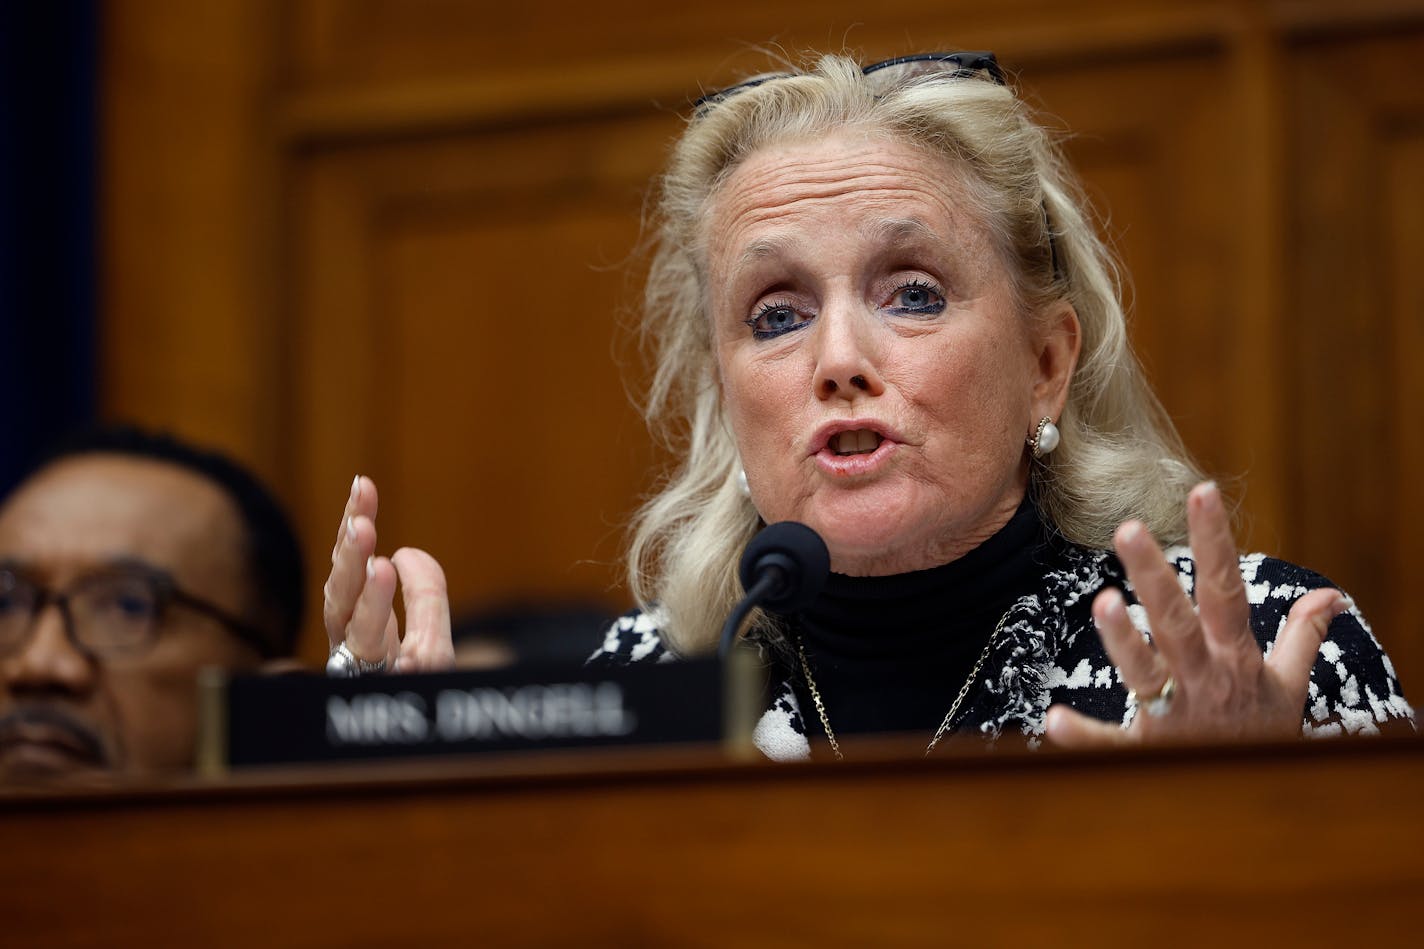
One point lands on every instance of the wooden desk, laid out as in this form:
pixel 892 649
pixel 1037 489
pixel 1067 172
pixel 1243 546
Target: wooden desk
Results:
pixel 1317 843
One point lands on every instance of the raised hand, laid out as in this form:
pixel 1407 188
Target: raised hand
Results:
pixel 359 592
pixel 1206 677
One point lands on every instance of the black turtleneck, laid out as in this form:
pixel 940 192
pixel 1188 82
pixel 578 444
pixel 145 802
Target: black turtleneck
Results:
pixel 889 654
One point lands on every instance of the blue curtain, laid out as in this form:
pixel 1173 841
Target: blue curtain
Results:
pixel 48 272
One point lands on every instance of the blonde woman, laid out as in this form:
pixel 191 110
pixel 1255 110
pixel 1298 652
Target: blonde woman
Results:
pixel 880 309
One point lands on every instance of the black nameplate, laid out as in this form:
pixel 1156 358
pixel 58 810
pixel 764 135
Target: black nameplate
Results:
pixel 303 717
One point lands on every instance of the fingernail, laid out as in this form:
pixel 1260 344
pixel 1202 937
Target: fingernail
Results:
pixel 1112 606
pixel 355 487
pixel 1341 604
pixel 1117 606
pixel 371 567
pixel 1053 723
pixel 1129 532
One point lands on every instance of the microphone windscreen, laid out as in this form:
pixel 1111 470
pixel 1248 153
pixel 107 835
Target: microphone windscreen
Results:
pixel 802 556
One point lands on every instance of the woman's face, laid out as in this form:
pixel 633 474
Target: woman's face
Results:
pixel 877 375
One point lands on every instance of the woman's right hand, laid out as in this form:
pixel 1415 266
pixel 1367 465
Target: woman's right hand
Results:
pixel 359 592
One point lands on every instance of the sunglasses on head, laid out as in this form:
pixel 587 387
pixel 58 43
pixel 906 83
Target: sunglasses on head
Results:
pixel 963 64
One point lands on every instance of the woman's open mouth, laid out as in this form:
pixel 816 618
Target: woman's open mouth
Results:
pixel 851 449
pixel 860 441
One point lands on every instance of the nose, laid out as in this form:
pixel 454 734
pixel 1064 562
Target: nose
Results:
pixel 49 661
pixel 846 357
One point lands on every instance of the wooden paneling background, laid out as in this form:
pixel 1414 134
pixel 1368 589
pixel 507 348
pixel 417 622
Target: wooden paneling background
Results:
pixel 398 238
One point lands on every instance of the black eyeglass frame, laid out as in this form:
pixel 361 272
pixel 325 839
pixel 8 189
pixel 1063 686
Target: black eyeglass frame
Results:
pixel 967 63
pixel 166 592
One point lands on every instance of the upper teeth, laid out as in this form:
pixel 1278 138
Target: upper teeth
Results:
pixel 854 442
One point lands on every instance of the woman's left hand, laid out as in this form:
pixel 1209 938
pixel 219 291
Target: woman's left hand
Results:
pixel 1206 672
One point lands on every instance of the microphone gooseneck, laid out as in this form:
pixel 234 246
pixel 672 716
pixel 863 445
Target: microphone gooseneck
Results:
pixel 783 569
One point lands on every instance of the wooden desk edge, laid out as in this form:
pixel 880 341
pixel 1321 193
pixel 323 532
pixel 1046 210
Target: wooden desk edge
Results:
pixel 676 765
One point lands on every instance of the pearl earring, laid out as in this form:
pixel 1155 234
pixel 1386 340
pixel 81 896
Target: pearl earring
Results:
pixel 743 488
pixel 1044 439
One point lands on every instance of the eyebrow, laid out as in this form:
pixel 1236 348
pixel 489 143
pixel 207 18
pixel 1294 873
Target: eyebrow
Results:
pixel 133 563
pixel 906 231
pixel 29 568
pixel 763 249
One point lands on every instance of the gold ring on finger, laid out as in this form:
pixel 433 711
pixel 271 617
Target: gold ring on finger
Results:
pixel 1158 703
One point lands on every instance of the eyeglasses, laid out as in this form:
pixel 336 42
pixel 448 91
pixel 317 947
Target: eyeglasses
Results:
pixel 112 612
pixel 963 64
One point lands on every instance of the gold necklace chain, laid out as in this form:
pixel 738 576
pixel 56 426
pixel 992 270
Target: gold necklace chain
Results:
pixel 948 716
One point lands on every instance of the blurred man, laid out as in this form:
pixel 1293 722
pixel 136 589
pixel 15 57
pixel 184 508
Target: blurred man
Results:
pixel 128 562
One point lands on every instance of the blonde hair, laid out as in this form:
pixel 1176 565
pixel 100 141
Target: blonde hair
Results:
pixel 1119 456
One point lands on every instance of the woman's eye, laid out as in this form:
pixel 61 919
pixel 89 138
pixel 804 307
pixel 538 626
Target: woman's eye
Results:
pixel 917 298
pixel 773 319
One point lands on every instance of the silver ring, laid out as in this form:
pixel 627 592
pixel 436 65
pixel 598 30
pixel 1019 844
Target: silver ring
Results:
pixel 1157 704
pixel 344 664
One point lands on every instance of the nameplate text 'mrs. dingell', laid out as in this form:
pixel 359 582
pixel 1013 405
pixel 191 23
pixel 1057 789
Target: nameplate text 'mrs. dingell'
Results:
pixel 311 718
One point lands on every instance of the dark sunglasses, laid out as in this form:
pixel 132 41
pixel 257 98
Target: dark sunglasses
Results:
pixel 956 65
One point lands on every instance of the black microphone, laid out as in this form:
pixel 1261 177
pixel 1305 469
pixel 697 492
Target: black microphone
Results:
pixel 783 569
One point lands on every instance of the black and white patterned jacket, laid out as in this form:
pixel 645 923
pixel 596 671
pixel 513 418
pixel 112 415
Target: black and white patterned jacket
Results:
pixel 1049 652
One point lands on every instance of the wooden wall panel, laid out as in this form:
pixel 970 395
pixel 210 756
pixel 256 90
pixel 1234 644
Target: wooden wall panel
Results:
pixel 1359 325
pixel 190 332
pixel 458 329
pixel 367 69
pixel 1150 153
pixel 350 44
pixel 1403 244
pixel 317 213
